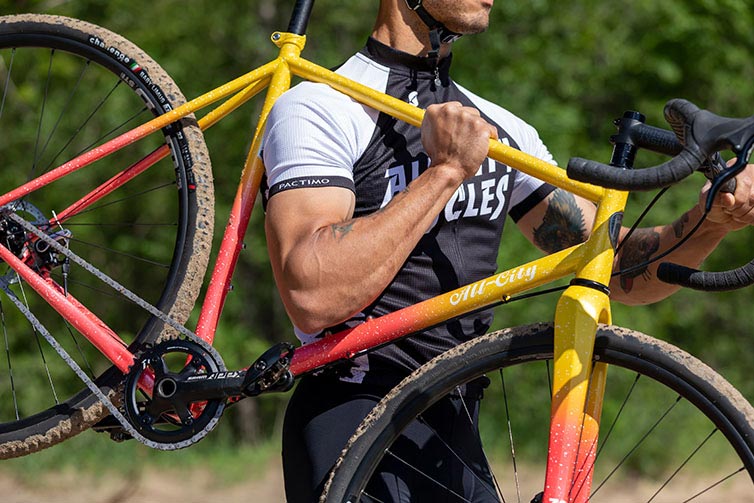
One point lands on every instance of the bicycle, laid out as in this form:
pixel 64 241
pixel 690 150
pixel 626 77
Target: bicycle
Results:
pixel 170 386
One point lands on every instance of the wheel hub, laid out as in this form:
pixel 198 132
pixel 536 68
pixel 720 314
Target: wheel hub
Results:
pixel 34 252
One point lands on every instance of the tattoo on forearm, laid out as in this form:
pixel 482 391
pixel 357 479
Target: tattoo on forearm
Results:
pixel 339 231
pixel 638 249
pixel 679 224
pixel 563 224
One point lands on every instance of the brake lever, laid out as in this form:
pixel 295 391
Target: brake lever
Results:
pixel 713 167
pixel 723 177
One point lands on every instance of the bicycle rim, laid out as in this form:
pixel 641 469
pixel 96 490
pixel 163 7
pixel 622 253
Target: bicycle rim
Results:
pixel 666 416
pixel 67 86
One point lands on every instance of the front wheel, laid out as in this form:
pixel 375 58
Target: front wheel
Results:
pixel 672 429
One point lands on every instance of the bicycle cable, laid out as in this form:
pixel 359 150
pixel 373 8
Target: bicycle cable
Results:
pixel 667 252
pixel 644 213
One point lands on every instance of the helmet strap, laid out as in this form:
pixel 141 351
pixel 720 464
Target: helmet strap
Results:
pixel 438 32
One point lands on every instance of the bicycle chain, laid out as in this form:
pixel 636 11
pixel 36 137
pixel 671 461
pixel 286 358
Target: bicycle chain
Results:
pixel 182 331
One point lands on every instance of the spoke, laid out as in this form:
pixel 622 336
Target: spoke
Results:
pixel 7 80
pixel 618 415
pixel 475 431
pixel 101 139
pixel 510 439
pixel 10 366
pixel 119 224
pixel 82 284
pixel 635 447
pixel 78 130
pixel 122 199
pixel 456 456
pixel 63 112
pixel 80 350
pixel 585 467
pixel 672 476
pixel 115 129
pixel 39 343
pixel 122 253
pixel 431 479
pixel 41 115
pixel 373 498
pixel 715 484
pixel 36 337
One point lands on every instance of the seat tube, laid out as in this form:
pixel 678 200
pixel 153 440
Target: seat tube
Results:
pixel 290 46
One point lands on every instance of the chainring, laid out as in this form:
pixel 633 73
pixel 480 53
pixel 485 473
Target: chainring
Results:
pixel 152 400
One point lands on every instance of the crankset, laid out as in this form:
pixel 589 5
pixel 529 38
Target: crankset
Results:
pixel 177 391
pixel 160 399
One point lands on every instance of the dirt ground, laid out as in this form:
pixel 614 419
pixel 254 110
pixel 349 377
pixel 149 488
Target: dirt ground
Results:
pixel 199 487
pixel 193 487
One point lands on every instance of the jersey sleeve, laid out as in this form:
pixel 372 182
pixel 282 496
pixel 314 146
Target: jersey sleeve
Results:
pixel 529 191
pixel 313 138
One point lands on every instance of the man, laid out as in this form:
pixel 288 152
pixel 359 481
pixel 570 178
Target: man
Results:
pixel 383 215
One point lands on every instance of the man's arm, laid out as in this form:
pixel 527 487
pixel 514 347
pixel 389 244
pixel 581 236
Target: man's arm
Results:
pixel 563 220
pixel 329 265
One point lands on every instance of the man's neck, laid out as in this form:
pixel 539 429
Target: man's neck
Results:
pixel 400 28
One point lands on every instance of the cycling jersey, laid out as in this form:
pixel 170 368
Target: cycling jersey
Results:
pixel 318 137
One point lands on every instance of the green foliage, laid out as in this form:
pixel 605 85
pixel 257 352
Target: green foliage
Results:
pixel 568 68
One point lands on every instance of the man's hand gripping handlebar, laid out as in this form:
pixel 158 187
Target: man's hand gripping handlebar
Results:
pixel 701 135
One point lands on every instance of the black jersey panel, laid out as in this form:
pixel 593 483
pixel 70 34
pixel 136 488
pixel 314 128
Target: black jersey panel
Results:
pixel 462 245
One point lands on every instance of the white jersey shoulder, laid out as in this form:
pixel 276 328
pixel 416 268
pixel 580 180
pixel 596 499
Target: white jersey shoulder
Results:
pixel 317 116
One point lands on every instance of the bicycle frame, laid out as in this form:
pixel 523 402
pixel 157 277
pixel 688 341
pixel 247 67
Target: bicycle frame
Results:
pixel 576 404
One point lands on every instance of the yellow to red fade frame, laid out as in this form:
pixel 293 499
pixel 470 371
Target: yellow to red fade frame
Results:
pixel 576 403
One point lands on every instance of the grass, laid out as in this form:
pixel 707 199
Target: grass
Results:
pixel 94 454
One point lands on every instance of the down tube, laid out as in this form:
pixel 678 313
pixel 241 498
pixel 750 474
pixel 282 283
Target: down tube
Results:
pixel 388 328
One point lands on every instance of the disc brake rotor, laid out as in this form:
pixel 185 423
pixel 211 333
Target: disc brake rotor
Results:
pixel 34 252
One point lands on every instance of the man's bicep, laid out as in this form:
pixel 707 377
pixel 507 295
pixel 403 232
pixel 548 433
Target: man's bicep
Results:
pixel 294 217
pixel 559 221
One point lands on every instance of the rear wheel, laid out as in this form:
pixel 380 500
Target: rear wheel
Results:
pixel 672 429
pixel 67 86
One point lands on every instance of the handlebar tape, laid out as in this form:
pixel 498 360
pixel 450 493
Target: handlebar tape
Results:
pixel 655 139
pixel 668 173
pixel 707 281
pixel 700 132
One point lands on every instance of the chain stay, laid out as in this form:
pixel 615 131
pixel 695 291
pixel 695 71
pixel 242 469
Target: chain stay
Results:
pixel 112 408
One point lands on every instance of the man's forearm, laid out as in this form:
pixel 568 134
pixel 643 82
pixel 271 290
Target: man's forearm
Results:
pixel 638 284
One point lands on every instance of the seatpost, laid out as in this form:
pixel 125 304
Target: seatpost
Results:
pixel 300 17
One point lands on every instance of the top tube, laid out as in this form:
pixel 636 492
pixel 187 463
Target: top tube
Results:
pixel 300 17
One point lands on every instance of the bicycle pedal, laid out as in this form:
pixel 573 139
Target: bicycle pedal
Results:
pixel 270 372
pixel 112 427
